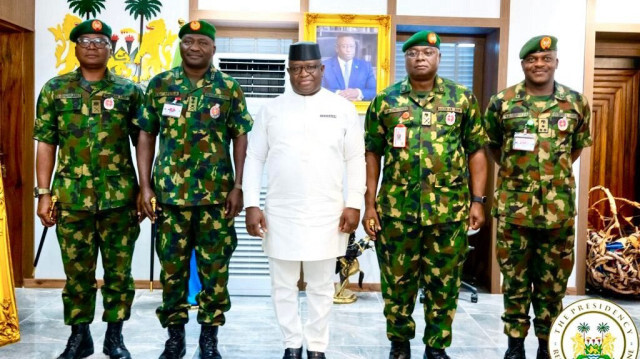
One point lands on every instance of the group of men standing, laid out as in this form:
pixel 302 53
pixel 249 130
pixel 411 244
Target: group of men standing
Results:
pixel 428 130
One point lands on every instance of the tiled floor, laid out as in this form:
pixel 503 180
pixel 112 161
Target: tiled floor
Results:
pixel 357 330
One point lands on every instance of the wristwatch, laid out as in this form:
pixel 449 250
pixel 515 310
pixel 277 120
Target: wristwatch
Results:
pixel 37 192
pixel 479 199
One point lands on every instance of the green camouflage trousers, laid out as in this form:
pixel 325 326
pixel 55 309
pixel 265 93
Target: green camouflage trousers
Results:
pixel 413 256
pixel 180 230
pixel 535 264
pixel 80 235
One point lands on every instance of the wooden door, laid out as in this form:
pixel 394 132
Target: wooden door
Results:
pixel 614 159
pixel 16 145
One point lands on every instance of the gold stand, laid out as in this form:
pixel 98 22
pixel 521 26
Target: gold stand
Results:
pixel 344 295
pixel 9 325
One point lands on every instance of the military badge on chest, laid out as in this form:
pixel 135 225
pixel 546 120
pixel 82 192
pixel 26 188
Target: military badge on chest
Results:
pixel 214 112
pixel 450 119
pixel 108 103
pixel 563 124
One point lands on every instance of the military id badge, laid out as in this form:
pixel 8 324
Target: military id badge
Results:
pixel 172 110
pixel 400 136
pixel 523 141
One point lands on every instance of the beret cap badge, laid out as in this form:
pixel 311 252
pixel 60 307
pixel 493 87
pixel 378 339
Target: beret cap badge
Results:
pixel 194 25
pixel 432 38
pixel 96 25
pixel 545 43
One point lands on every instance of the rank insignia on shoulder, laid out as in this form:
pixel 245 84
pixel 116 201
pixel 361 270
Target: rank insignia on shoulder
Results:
pixel 214 112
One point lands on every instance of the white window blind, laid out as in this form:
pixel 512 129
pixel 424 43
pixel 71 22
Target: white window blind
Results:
pixel 456 62
pixel 259 68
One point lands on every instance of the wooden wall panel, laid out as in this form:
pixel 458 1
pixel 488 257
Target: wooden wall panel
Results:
pixel 615 132
pixel 19 13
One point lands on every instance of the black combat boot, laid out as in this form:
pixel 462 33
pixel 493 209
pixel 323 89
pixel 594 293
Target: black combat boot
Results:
pixel 516 349
pixel 292 353
pixel 400 350
pixel 209 342
pixel 435 353
pixel 543 349
pixel 113 342
pixel 315 355
pixel 80 343
pixel 175 347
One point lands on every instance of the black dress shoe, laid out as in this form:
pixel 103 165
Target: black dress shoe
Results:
pixel 114 343
pixel 175 347
pixel 435 353
pixel 80 343
pixel 543 349
pixel 315 355
pixel 292 353
pixel 516 349
pixel 209 342
pixel 400 350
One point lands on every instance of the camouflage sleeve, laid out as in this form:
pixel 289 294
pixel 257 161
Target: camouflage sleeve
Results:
pixel 137 98
pixel 46 126
pixel 474 136
pixel 148 119
pixel 582 135
pixel 492 123
pixel 239 121
pixel 374 136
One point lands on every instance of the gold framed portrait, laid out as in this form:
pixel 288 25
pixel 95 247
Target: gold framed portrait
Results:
pixel 355 51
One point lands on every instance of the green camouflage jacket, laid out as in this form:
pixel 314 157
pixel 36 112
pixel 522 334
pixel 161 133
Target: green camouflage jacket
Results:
pixel 537 188
pixel 193 166
pixel 91 123
pixel 428 180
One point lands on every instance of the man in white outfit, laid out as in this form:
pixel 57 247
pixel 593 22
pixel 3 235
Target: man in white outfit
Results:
pixel 310 140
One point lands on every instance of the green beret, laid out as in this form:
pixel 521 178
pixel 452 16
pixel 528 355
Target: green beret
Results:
pixel 539 43
pixel 92 26
pixel 422 38
pixel 199 27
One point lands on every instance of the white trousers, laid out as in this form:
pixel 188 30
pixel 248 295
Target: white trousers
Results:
pixel 284 291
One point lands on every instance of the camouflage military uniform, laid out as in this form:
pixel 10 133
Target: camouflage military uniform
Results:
pixel 535 200
pixel 96 187
pixel 423 201
pixel 192 177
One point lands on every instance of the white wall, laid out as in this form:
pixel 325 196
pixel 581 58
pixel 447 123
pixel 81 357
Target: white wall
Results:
pixel 250 5
pixel 49 13
pixel 618 11
pixel 369 7
pixel 564 19
pixel 451 8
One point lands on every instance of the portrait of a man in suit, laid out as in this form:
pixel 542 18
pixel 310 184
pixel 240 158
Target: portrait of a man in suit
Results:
pixel 346 75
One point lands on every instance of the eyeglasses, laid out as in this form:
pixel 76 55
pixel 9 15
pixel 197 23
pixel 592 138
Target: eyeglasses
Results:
pixel 99 43
pixel 308 68
pixel 412 54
